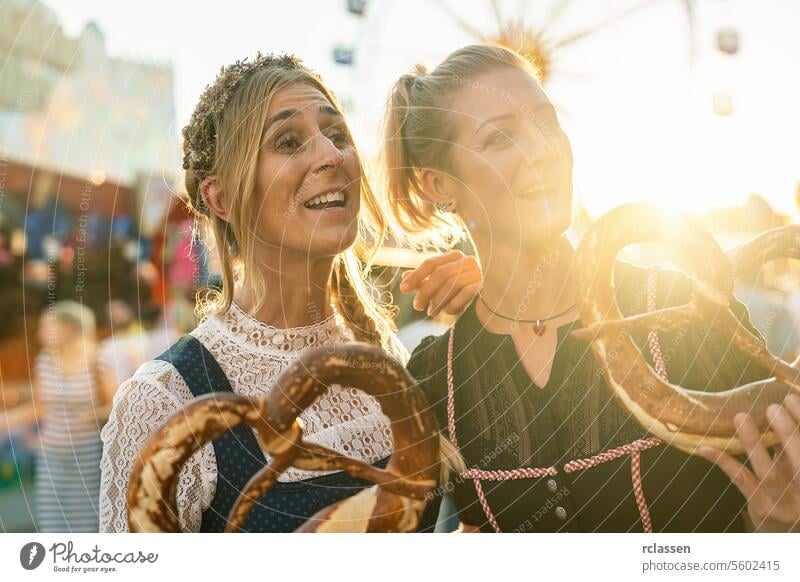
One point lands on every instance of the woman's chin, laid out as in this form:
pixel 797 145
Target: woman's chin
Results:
pixel 332 241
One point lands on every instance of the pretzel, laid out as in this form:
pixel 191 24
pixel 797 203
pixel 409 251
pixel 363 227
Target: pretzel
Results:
pixel 396 501
pixel 686 419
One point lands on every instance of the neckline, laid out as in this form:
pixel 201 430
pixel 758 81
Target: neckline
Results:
pixel 249 333
pixel 476 326
pixel 241 314
pixel 505 342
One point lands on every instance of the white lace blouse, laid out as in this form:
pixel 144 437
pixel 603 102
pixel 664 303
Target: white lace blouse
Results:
pixel 252 354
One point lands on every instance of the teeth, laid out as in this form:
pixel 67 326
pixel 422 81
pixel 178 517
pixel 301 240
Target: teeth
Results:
pixel 324 198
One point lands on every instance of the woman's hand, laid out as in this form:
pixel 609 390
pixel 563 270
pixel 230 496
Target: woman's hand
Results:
pixel 772 488
pixel 445 283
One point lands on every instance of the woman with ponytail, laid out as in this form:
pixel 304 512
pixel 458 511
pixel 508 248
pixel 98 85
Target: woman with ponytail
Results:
pixel 476 146
pixel 273 175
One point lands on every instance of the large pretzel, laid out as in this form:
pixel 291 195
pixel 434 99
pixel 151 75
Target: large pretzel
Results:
pixel 395 503
pixel 684 418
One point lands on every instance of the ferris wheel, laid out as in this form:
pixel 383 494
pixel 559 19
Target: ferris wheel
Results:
pixel 572 44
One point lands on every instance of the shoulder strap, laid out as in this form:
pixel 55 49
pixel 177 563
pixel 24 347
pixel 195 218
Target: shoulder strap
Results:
pixel 203 375
pixel 197 366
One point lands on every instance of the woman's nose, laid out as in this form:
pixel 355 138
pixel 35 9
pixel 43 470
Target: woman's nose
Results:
pixel 553 149
pixel 327 154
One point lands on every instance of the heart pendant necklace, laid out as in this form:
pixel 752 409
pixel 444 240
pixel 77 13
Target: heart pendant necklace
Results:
pixel 539 326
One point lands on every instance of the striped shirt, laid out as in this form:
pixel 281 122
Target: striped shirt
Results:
pixel 68 463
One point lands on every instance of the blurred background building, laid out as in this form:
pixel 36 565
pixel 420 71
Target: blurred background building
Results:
pixel 87 199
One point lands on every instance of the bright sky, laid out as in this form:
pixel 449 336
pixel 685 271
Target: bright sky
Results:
pixel 640 119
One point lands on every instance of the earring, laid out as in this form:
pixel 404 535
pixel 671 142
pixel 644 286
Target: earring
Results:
pixel 444 207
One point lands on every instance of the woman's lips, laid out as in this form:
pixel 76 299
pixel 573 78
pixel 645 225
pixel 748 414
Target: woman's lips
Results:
pixel 552 189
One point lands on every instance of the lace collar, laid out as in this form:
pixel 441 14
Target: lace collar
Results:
pixel 248 332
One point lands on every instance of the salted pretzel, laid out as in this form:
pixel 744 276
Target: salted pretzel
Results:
pixel 394 504
pixel 683 418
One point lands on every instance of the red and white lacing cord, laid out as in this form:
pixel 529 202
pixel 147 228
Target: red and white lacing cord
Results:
pixel 633 448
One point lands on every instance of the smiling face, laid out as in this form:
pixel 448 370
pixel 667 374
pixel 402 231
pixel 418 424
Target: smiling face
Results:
pixel 512 162
pixel 308 176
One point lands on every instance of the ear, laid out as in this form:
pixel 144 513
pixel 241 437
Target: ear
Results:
pixel 213 197
pixel 437 186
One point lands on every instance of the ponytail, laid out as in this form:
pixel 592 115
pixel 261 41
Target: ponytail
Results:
pixel 418 133
pixel 412 211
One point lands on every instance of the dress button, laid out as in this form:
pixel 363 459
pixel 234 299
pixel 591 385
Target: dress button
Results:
pixel 561 513
pixel 552 485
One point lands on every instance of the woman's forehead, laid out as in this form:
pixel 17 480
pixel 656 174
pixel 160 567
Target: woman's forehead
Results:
pixel 299 96
pixel 501 91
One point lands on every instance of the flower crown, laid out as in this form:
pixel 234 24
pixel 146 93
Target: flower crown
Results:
pixel 200 136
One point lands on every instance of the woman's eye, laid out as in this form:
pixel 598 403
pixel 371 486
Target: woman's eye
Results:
pixel 339 138
pixel 498 138
pixel 288 141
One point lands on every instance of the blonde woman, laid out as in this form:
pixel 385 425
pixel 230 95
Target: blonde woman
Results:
pixel 66 398
pixel 272 171
pixel 476 143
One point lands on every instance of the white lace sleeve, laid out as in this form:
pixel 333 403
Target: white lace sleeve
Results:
pixel 141 406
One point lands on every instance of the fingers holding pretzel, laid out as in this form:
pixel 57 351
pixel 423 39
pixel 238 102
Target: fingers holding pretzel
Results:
pixel 687 419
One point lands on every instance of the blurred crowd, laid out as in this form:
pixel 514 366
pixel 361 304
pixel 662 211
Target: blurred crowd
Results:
pixel 87 299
